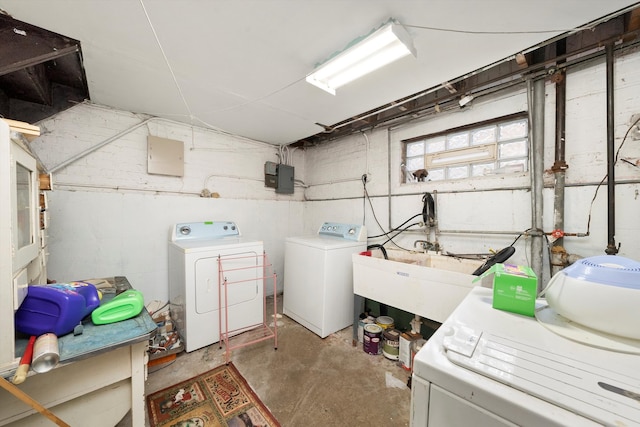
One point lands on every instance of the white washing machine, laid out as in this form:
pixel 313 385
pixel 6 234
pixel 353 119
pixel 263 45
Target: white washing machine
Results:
pixel 485 367
pixel 318 277
pixel 194 253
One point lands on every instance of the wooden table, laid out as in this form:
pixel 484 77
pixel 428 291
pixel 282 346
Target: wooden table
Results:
pixel 100 376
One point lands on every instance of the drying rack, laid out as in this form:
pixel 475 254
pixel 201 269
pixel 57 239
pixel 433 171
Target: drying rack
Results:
pixel 251 334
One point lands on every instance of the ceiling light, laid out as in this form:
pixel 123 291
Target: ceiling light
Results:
pixel 385 45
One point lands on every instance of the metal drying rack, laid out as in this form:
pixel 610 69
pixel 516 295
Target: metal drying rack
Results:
pixel 252 334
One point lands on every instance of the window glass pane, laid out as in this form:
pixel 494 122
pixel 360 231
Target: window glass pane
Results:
pixel 483 136
pixel 23 205
pixel 436 144
pixel 457 140
pixel 457 172
pixel 508 140
pixel 415 163
pixel 513 166
pixel 415 149
pixel 436 175
pixel 513 130
pixel 512 149
pixel 482 169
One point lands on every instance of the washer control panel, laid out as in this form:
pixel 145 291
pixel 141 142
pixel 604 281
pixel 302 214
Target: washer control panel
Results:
pixel 204 230
pixel 355 232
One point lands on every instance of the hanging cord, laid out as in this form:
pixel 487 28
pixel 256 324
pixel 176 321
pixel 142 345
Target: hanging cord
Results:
pixel 398 227
pixel 624 139
pixel 427 212
pixel 546 238
pixel 364 199
pixel 166 60
pixel 382 249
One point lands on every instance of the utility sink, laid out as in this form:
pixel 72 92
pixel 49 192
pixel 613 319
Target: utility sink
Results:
pixel 430 285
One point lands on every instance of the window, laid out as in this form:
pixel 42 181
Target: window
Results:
pixel 497 147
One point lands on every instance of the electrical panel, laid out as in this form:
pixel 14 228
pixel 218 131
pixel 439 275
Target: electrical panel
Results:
pixel 279 176
pixel 285 179
pixel 270 174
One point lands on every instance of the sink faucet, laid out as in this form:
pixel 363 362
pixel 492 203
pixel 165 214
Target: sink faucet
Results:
pixel 423 243
pixel 427 246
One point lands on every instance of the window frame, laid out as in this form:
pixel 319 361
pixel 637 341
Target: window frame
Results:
pixel 488 153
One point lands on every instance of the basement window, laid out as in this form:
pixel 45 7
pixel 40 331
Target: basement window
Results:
pixel 499 146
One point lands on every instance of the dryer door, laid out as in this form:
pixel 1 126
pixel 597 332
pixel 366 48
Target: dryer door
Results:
pixel 244 280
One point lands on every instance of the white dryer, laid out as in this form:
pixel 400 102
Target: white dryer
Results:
pixel 318 277
pixel 485 367
pixel 195 251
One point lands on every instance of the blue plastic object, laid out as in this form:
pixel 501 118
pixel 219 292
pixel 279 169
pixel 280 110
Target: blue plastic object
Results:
pixel 612 270
pixel 55 308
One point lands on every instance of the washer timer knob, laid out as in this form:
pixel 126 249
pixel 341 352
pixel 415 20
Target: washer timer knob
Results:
pixel 185 230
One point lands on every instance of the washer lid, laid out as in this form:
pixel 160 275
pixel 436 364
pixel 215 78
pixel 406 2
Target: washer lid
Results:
pixel 327 242
pixel 199 245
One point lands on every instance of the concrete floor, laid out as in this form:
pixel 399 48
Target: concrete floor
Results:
pixel 307 381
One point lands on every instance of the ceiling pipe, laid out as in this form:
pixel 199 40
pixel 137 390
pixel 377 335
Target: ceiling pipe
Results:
pixel 611 182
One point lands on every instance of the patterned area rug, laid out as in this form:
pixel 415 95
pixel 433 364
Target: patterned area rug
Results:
pixel 220 397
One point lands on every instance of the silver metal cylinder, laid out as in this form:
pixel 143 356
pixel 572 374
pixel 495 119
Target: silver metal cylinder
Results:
pixel 45 353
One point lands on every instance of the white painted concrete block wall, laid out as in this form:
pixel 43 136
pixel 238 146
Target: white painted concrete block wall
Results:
pixel 110 217
pixel 502 202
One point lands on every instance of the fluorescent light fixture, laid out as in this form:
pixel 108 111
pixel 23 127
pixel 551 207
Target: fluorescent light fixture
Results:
pixel 385 45
pixel 465 155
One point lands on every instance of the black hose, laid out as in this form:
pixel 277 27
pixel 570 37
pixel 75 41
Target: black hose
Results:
pixel 383 307
pixel 376 246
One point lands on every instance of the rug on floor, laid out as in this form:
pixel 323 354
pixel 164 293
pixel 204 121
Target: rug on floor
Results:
pixel 220 397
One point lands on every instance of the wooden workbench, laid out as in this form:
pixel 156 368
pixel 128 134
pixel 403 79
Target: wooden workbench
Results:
pixel 100 376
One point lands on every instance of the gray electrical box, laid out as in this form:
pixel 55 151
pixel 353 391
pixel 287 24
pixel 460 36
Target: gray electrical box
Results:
pixel 270 175
pixel 285 179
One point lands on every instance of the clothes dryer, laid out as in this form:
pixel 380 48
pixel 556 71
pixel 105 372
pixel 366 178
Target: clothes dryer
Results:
pixel 486 367
pixel 195 251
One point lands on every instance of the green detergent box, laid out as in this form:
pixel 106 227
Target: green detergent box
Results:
pixel 515 288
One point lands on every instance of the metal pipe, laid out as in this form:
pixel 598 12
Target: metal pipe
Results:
pixel 482 232
pixel 611 182
pixel 389 179
pixel 99 145
pixel 537 172
pixel 560 165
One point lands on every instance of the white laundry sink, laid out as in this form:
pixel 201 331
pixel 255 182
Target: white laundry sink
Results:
pixel 427 284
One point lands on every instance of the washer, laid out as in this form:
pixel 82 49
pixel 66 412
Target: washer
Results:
pixel 194 251
pixel 318 277
pixel 485 367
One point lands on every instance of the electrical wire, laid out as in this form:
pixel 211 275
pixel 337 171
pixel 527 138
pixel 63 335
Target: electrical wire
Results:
pixel 166 60
pixel 546 238
pixel 595 194
pixel 398 227
pixel 378 222
pixel 453 30
pixel 589 26
pixel 388 233
pixel 364 200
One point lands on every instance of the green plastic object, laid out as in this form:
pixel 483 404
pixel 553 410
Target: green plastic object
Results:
pixel 122 307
